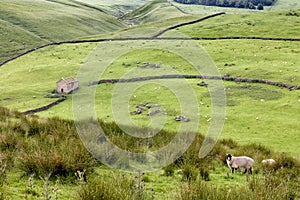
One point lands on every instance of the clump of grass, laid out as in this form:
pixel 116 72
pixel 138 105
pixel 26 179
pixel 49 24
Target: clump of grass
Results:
pixel 230 143
pixel 189 172
pixel 54 147
pixel 204 173
pixel 62 159
pixel 31 187
pixel 271 187
pixel 113 186
pixel 3 176
pixel 169 170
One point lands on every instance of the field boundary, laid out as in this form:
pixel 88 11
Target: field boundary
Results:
pixel 178 76
pixel 43 108
pixel 144 38
pixel 187 23
pixel 171 76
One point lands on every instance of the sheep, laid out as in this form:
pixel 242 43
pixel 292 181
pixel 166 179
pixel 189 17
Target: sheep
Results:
pixel 234 163
pixel 269 162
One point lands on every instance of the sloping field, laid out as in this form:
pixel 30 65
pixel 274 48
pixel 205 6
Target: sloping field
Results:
pixel 264 24
pixel 117 8
pixel 38 22
pixel 250 109
pixel 286 5
pixel 200 9
pixel 153 11
pixel 42 156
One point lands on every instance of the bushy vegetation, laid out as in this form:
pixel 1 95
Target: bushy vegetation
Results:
pixel 113 186
pixel 44 158
pixel 267 187
pixel 42 147
pixel 48 149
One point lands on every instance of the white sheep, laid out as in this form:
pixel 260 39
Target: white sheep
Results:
pixel 235 162
pixel 269 162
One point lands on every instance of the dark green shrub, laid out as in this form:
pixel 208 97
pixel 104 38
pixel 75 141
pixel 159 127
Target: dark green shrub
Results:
pixel 54 147
pixel 4 113
pixel 189 172
pixel 9 141
pixel 191 156
pixel 146 179
pixel 204 173
pixel 169 170
pixel 62 159
pixel 260 6
pixel 285 161
pixel 230 143
pixel 33 126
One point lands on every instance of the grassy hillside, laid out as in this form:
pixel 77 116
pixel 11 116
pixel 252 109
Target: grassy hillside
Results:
pixel 271 24
pixel 286 5
pixel 117 8
pixel 272 60
pixel 153 11
pixel 45 157
pixel 38 22
pixel 200 9
pixel 42 155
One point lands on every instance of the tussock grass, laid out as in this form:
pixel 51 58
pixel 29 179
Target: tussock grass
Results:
pixel 41 147
pixel 255 188
pixel 53 147
pixel 113 186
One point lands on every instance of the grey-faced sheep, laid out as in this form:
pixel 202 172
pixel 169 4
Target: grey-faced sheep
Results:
pixel 269 161
pixel 235 162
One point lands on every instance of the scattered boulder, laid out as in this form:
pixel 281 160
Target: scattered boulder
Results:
pixel 202 84
pixel 138 111
pixel 153 112
pixel 182 118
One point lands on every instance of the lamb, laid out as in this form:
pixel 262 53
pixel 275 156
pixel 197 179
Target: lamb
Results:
pixel 269 162
pixel 234 163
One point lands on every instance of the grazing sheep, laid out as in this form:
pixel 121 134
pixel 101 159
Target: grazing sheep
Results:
pixel 268 162
pixel 234 163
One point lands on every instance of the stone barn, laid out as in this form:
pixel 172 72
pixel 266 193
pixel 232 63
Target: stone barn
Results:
pixel 67 85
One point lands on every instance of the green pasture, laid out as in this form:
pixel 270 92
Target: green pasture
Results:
pixel 28 24
pixel 153 11
pixel 271 24
pixel 258 116
pixel 59 20
pixel 200 9
pixel 116 8
pixel 285 5
pixel 254 112
pixel 156 184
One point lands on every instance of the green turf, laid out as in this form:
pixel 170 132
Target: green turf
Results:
pixel 200 9
pixel 272 24
pixel 286 5
pixel 268 103
pixel 255 113
pixel 153 11
pixel 34 23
